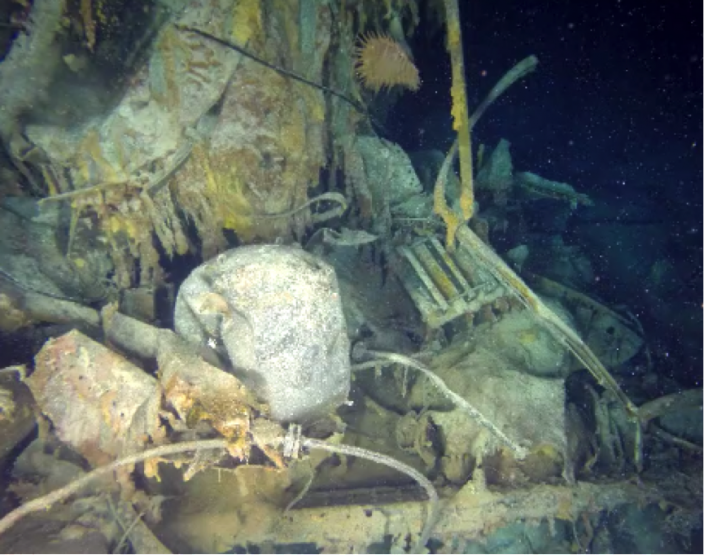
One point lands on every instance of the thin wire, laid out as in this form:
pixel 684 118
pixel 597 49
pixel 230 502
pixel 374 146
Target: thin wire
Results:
pixel 433 498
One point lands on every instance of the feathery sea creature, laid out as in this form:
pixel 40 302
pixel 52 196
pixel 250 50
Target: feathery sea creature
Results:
pixel 383 62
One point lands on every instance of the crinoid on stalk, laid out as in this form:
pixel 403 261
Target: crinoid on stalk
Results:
pixel 382 62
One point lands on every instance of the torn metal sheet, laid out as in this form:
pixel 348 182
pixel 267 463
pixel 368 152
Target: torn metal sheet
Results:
pixel 613 337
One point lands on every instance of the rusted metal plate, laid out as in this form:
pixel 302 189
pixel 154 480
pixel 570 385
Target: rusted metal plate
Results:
pixel 100 404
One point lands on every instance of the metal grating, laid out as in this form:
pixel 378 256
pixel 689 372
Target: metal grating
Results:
pixel 445 285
